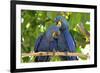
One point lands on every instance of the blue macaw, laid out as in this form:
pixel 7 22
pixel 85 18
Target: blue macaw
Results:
pixel 47 42
pixel 62 23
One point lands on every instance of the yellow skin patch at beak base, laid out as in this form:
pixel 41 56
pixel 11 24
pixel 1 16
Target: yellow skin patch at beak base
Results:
pixel 59 24
pixel 55 34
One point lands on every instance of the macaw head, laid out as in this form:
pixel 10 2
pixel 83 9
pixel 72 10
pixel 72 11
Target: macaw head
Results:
pixel 61 21
pixel 53 32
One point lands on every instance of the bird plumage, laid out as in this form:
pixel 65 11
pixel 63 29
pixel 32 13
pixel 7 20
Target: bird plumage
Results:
pixel 67 36
pixel 62 41
pixel 46 43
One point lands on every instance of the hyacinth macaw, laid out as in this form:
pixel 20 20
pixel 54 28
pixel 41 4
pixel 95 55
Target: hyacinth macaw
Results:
pixel 62 23
pixel 47 42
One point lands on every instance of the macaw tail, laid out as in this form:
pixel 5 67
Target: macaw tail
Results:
pixel 64 58
pixel 42 59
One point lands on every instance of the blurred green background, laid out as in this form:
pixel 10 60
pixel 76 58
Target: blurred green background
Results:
pixel 33 23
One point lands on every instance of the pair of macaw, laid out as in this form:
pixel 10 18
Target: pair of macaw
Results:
pixel 56 38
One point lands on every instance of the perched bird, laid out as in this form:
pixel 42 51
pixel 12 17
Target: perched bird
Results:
pixel 47 42
pixel 62 23
pixel 56 38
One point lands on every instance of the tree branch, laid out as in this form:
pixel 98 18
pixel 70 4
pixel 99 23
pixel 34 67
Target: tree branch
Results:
pixel 83 30
pixel 54 54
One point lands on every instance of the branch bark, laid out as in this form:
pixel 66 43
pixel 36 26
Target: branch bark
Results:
pixel 54 54
pixel 83 30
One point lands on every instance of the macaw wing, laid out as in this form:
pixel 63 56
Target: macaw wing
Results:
pixel 62 46
pixel 42 44
pixel 69 41
pixel 37 43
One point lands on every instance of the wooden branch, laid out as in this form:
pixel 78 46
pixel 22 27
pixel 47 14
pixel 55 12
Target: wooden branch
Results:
pixel 83 30
pixel 54 54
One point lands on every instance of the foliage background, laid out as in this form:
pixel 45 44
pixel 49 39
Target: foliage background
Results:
pixel 33 23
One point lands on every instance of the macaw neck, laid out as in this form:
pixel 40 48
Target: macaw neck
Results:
pixel 64 27
pixel 65 23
